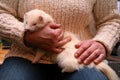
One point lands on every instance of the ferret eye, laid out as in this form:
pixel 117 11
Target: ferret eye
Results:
pixel 34 24
pixel 26 22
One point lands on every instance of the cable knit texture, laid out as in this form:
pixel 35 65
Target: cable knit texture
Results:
pixel 78 16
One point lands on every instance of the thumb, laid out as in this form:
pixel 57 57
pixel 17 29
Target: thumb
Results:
pixel 55 26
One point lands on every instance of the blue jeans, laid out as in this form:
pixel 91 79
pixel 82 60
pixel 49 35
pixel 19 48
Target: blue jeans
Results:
pixel 15 68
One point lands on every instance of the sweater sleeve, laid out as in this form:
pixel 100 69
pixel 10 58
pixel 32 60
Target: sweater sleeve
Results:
pixel 107 20
pixel 11 29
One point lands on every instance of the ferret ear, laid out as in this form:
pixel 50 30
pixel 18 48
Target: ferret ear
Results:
pixel 25 18
pixel 41 18
pixel 25 15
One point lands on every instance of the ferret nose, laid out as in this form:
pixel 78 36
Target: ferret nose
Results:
pixel 27 28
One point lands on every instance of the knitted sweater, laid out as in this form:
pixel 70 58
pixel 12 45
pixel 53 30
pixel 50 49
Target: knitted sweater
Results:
pixel 81 17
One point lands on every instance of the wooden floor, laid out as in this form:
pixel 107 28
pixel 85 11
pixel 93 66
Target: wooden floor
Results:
pixel 2 54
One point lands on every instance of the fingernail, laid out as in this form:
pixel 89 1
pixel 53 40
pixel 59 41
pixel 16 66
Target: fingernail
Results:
pixel 79 61
pixel 58 24
pixel 96 62
pixel 61 49
pixel 69 38
pixel 76 55
pixel 76 46
pixel 85 62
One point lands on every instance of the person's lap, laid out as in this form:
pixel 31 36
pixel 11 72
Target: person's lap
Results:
pixel 22 69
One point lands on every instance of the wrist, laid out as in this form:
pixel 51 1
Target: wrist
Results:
pixel 26 39
pixel 104 47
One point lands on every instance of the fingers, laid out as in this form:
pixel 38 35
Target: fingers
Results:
pixel 86 54
pixel 57 50
pixel 54 25
pixel 90 51
pixel 82 47
pixel 99 59
pixel 79 44
pixel 57 34
pixel 51 48
pixel 92 57
pixel 63 42
pixel 61 36
pixel 58 47
pixel 56 31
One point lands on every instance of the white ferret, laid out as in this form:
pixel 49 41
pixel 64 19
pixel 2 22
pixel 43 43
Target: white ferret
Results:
pixel 36 19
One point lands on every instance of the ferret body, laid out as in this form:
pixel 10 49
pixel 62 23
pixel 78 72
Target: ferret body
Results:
pixel 36 19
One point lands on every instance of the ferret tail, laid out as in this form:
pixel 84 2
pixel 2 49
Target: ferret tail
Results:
pixel 108 71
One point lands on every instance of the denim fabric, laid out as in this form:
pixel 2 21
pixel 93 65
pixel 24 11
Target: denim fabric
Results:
pixel 21 69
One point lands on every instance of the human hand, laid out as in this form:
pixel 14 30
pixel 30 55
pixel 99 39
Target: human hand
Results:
pixel 49 38
pixel 90 51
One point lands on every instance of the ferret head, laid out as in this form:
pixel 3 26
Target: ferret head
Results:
pixel 36 19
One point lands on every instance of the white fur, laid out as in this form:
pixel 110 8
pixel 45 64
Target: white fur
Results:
pixel 66 59
pixel 32 17
pixel 69 63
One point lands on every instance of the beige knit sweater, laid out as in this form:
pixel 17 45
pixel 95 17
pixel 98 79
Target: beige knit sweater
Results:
pixel 77 16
